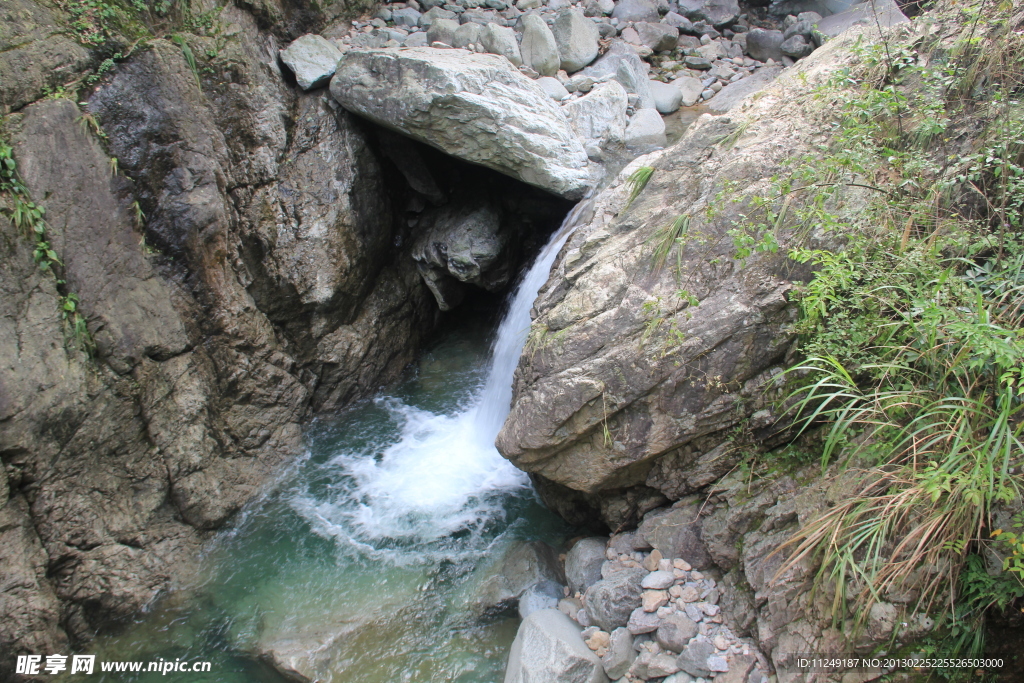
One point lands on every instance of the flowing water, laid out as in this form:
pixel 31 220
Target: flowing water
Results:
pixel 359 565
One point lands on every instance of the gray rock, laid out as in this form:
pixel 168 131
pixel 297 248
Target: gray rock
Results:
pixel 543 595
pixel 501 40
pixel 681 677
pixel 610 601
pixel 539 50
pixel 885 12
pixel 658 580
pixel 635 10
pixel 443 31
pixel 576 38
pixel 658 37
pixel 583 563
pixel 475 107
pixel 435 13
pixel 312 59
pixel 521 567
pixel 548 647
pixel 811 18
pixel 690 90
pixel 764 44
pixel 599 8
pixel 467 34
pixel 667 97
pixel 599 117
pixel 620 655
pixel 623 64
pixel 676 533
pixel 718 664
pixel 418 39
pixel 694 658
pixel 642 622
pixel 796 47
pixel 646 129
pixel 714 12
pixel 678 21
pixel 675 632
pixel 697 63
pixel 462 243
pixel 406 17
pixel 553 87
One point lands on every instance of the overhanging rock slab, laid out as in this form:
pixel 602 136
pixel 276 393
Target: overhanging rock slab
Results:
pixel 476 107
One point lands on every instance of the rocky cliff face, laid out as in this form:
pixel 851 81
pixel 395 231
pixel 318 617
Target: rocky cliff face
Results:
pixel 651 362
pixel 242 254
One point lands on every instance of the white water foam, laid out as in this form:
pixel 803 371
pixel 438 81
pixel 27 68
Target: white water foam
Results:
pixel 443 475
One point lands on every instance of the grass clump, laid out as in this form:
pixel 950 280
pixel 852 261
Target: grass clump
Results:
pixel 912 330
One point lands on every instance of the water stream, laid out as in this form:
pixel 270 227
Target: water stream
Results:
pixel 359 565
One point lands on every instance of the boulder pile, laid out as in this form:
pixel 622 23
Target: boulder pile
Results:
pixel 615 67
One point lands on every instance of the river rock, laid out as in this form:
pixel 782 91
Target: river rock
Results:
pixel 610 601
pixel 641 621
pixel 675 631
pixel 472 106
pixel 796 47
pixel 765 44
pixel 442 31
pixel 501 40
pixel 406 16
pixel 539 49
pixel 312 59
pixel 418 39
pixel 694 658
pixel 583 563
pixel 467 34
pixel 620 655
pixel 548 647
pixel 522 566
pixel 658 37
pixel 576 37
pixel 658 580
pixel 690 89
pixel 714 12
pixel 635 10
pixel 553 88
pixel 623 64
pixel 646 129
pixel 667 97
pixel 599 117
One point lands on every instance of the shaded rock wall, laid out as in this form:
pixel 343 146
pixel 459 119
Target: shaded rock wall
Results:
pixel 242 254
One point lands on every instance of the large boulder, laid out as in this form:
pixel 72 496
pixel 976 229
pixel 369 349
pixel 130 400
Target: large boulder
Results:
pixel 521 567
pixel 473 106
pixel 714 12
pixel 635 10
pixel 576 37
pixel 501 40
pixel 599 117
pixel 638 372
pixel 765 44
pixel 548 648
pixel 312 59
pixel 622 63
pixel 539 49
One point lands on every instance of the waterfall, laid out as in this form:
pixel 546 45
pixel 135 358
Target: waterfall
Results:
pixel 398 500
